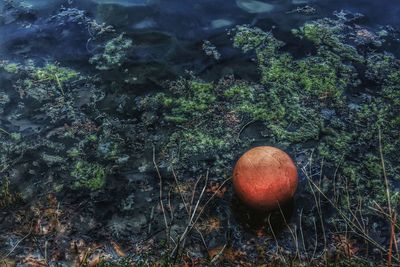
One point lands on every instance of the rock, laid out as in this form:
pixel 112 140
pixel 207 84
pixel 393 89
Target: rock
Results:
pixel 253 6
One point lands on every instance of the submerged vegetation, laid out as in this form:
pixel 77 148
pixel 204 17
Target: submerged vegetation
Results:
pixel 115 53
pixel 335 109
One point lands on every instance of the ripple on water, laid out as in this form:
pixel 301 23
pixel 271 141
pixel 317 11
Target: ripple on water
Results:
pixel 126 3
pixel 220 23
pixel 253 6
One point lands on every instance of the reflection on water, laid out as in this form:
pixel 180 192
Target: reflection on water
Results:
pixel 193 20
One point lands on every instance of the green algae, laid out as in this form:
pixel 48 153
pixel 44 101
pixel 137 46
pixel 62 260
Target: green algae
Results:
pixel 298 103
pixel 114 54
pixel 87 175
pixel 11 67
pixel 293 100
pixel 52 72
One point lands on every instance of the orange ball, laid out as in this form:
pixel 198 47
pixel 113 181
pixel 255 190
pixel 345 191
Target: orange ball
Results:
pixel 265 176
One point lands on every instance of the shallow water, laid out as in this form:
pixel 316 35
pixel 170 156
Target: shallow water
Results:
pixel 160 28
pixel 168 42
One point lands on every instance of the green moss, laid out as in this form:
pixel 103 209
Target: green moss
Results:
pixel 88 175
pixel 248 38
pixel 320 78
pixel 74 153
pixel 373 164
pixel 204 142
pixel 114 55
pixel 296 101
pixel 329 34
pixel 11 67
pixel 380 66
pixel 16 136
pixel 52 72
pixel 190 100
pixel 92 138
pixel 319 33
pixel 240 91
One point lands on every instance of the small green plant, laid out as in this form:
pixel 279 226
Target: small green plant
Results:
pixel 88 175
pixel 6 197
pixel 52 72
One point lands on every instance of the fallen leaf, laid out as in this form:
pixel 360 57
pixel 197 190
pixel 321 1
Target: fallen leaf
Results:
pixel 118 249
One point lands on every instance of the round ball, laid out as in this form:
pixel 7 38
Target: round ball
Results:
pixel 265 177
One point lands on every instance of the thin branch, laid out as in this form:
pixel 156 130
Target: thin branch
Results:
pixel 161 192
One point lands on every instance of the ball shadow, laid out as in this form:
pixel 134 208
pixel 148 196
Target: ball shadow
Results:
pixel 256 221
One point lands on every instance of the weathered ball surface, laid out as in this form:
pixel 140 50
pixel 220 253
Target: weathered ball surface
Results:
pixel 265 177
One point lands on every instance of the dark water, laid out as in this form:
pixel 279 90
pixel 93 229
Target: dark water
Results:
pixel 168 38
pixel 167 32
